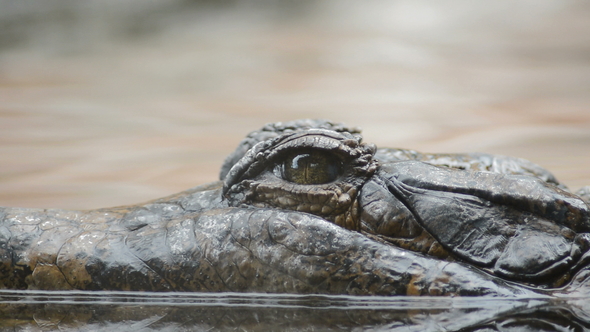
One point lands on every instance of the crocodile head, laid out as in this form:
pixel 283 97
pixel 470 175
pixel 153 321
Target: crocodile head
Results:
pixel 307 207
pixel 504 215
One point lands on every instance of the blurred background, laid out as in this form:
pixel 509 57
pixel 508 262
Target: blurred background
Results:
pixel 113 102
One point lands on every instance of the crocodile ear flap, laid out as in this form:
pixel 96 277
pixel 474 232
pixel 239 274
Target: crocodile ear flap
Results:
pixel 273 130
pixel 525 233
pixel 510 243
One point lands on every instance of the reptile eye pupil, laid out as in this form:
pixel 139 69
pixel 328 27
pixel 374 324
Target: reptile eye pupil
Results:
pixel 313 167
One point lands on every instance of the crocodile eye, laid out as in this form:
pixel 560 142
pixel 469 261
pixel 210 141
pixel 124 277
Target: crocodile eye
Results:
pixel 311 167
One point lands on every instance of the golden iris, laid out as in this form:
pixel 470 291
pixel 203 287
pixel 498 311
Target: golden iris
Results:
pixel 311 167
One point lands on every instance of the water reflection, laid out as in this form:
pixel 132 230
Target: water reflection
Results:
pixel 126 311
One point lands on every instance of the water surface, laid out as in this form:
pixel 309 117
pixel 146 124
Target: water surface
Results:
pixel 128 311
pixel 116 102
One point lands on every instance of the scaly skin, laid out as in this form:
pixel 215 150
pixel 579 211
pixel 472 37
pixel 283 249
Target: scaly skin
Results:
pixel 375 231
pixel 189 243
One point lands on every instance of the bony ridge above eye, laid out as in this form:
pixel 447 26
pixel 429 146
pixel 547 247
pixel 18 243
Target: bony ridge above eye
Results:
pixel 311 166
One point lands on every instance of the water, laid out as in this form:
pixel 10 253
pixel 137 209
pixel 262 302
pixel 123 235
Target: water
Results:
pixel 107 103
pixel 117 102
pixel 128 311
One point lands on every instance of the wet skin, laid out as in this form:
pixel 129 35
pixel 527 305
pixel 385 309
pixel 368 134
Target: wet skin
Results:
pixel 306 207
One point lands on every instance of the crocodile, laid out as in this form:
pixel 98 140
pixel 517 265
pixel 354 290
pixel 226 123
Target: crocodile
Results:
pixel 306 207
